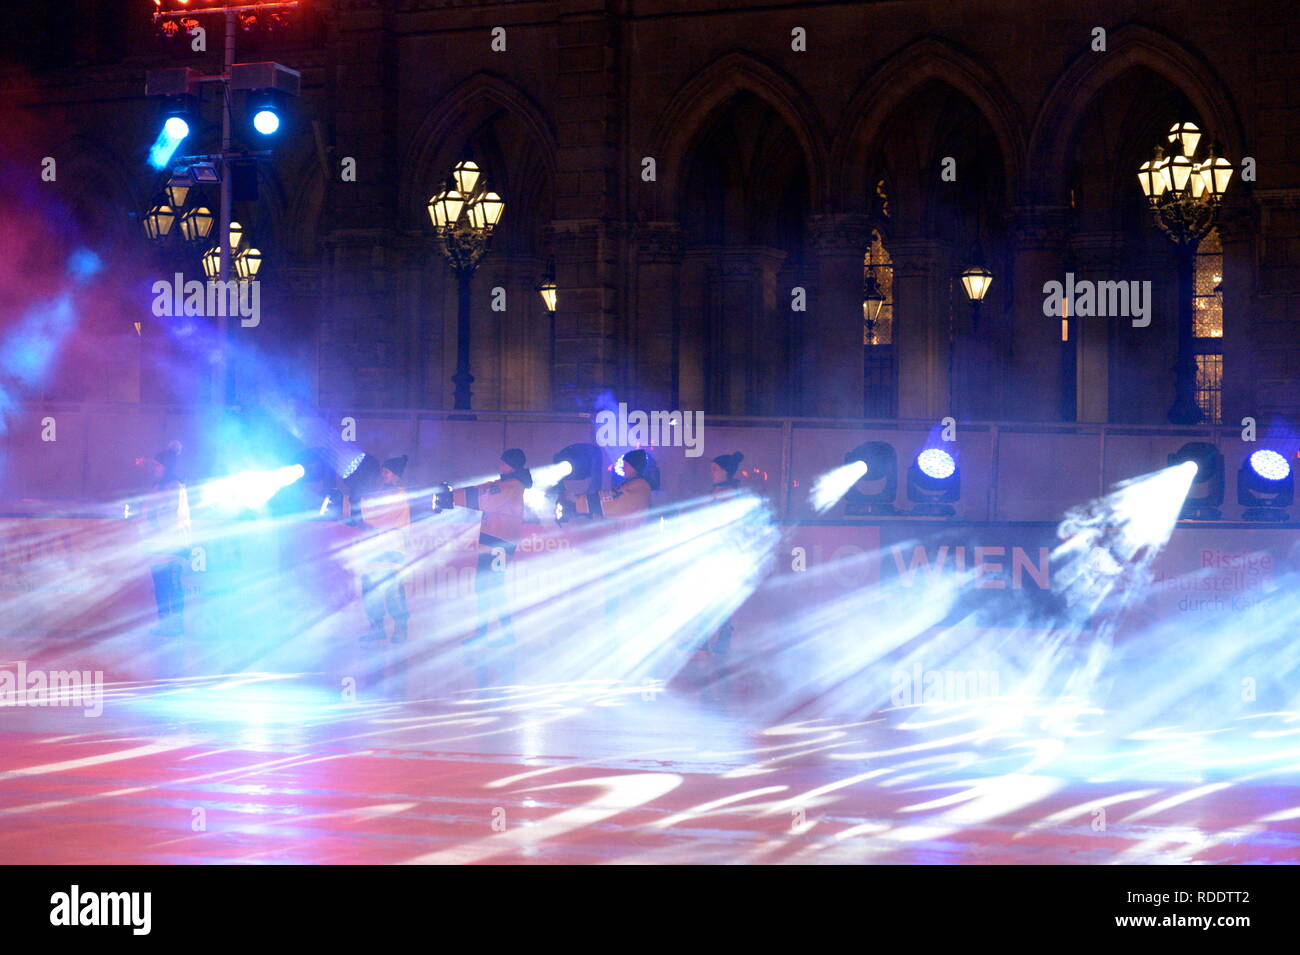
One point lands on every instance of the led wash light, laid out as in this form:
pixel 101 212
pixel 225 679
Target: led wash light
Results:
pixel 933 483
pixel 1265 486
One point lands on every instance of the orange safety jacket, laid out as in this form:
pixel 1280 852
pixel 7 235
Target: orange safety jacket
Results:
pixel 629 504
pixel 502 505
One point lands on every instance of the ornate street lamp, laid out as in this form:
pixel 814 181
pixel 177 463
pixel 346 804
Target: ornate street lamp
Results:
pixel 975 281
pixel 873 301
pixel 464 216
pixel 548 290
pixel 212 263
pixel 158 221
pixel 197 223
pixel 247 263
pixel 1184 197
pixel 179 186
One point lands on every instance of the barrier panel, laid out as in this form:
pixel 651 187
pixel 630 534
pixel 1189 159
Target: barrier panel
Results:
pixel 285 580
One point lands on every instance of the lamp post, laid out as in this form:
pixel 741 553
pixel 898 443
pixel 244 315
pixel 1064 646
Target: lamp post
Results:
pixel 1184 197
pixel 172 18
pixel 464 215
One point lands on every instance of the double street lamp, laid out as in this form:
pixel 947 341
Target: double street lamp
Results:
pixel 1184 195
pixel 464 215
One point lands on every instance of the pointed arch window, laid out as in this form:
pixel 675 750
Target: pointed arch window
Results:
pixel 1207 325
pixel 879 398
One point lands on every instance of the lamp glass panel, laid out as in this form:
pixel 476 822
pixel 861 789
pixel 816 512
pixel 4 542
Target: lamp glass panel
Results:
pixel 466 175
pixel 493 207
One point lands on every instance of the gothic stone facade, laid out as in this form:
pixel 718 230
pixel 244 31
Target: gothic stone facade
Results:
pixel 693 172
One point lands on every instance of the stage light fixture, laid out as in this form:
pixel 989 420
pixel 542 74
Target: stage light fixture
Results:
pixel 1265 486
pixel 205 172
pixel 933 483
pixel 586 463
pixel 266 109
pixel 586 460
pixel 179 116
pixel 873 493
pixel 1205 496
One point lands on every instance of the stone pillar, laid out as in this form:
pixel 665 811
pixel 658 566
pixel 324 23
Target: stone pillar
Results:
pixel 656 338
pixel 588 240
pixel 831 364
pixel 923 277
pixel 1094 255
pixel 363 339
pixel 1033 388
pixel 743 353
pixel 1237 230
pixel 362 348
pixel 586 339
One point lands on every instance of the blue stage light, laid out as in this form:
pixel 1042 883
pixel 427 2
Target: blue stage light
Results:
pixel 176 127
pixel 1270 465
pixel 936 463
pixel 266 121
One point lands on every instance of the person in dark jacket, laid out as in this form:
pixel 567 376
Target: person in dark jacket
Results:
pixel 725 485
pixel 388 515
pixel 502 505
pixel 166 533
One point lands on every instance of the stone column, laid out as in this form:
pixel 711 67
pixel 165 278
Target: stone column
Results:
pixel 656 338
pixel 1033 389
pixel 1238 227
pixel 743 357
pixel 588 239
pixel 1094 255
pixel 831 363
pixel 923 277
pixel 363 347
pixel 586 339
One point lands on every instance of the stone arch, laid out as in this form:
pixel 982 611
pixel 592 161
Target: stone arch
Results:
pixel 710 90
pixel 429 150
pixel 1129 47
pixel 890 87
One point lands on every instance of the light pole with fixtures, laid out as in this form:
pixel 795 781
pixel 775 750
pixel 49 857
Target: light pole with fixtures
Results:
pixel 260 79
pixel 1184 197
pixel 464 215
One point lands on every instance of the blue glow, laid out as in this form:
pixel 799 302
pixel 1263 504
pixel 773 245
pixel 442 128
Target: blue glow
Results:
pixel 176 127
pixel 936 463
pixel 266 121
pixel 83 264
pixel 249 490
pixel 1270 465
pixel 169 140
